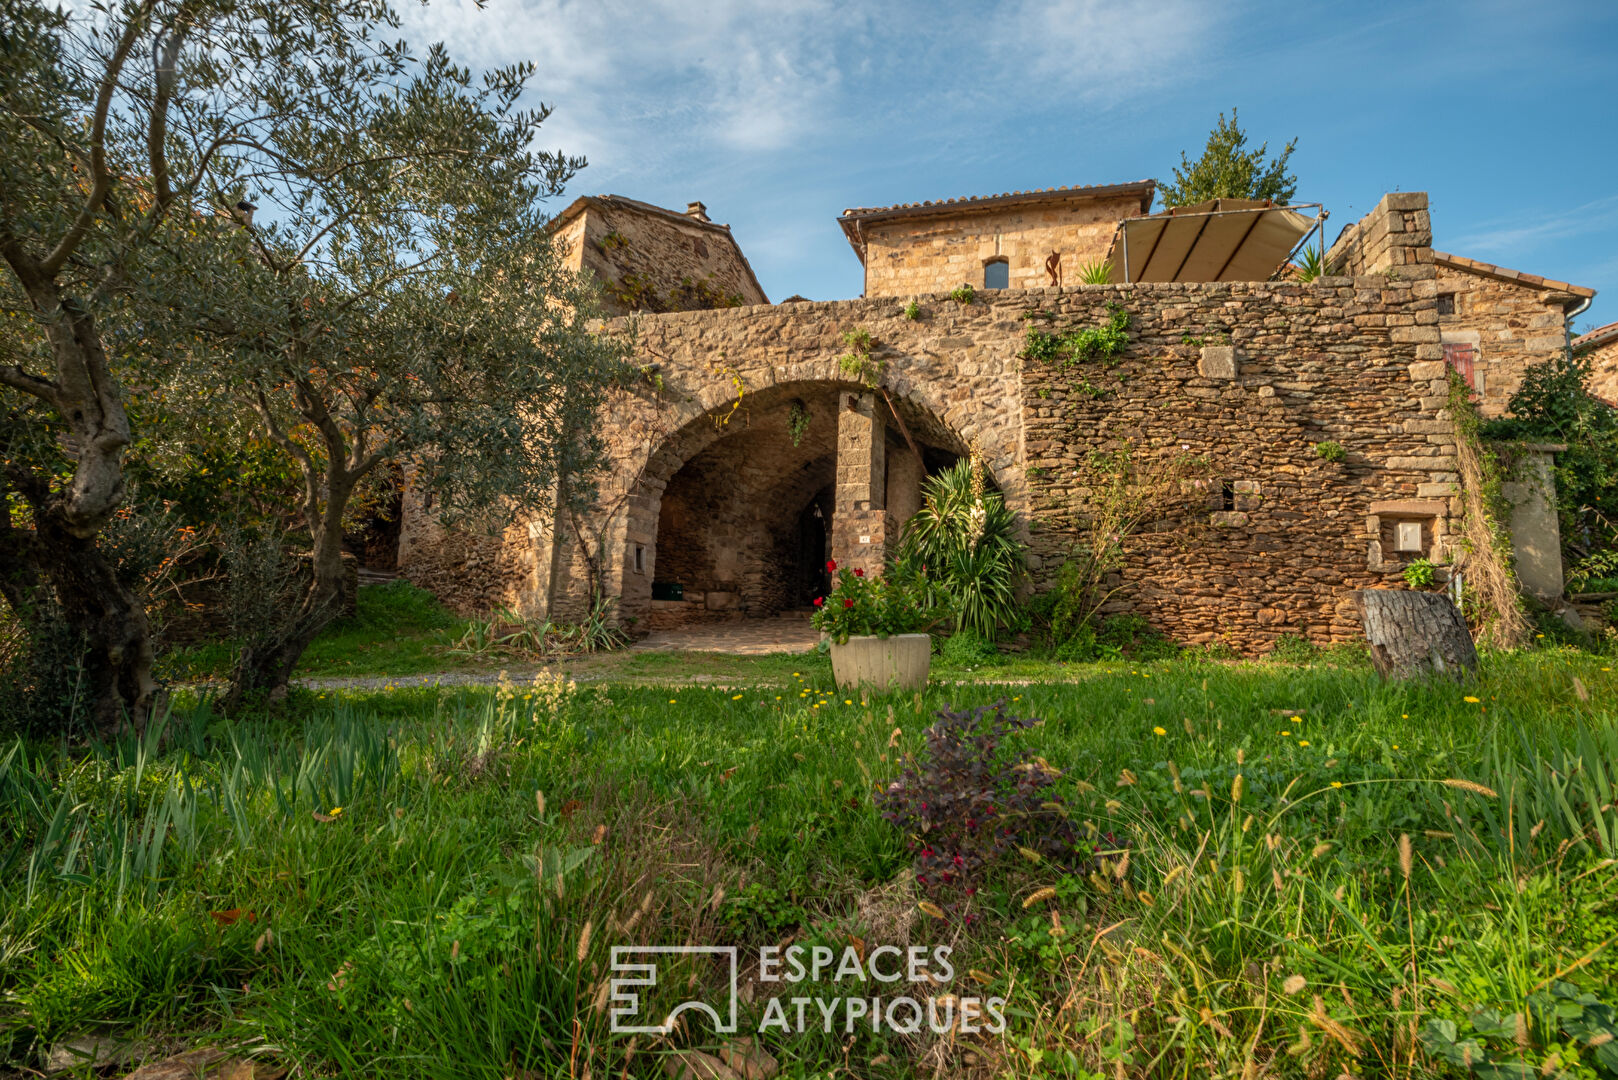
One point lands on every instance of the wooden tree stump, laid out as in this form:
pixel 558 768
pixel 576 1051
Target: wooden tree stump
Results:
pixel 1415 635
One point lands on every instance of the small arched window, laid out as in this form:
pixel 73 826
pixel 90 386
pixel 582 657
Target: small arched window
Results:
pixel 997 274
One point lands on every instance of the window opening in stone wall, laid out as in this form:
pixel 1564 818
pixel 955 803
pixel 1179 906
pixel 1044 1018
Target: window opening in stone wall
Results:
pixel 1463 359
pixel 1227 495
pixel 640 558
pixel 1446 303
pixel 997 274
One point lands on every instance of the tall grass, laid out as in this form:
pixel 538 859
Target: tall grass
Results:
pixel 402 883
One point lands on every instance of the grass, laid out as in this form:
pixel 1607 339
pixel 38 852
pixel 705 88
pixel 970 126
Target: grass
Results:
pixel 428 882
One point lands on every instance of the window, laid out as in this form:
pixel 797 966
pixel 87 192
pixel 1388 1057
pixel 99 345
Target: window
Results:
pixel 1463 358
pixel 1446 303
pixel 640 558
pixel 997 274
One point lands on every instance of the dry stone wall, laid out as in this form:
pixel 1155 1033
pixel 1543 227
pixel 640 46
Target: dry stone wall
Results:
pixel 1275 536
pixel 1249 376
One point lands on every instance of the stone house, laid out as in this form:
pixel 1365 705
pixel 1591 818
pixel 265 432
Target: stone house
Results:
pixel 650 259
pixel 1601 347
pixel 754 453
pixel 1018 240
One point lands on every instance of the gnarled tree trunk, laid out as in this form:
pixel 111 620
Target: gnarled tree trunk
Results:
pixel 1415 635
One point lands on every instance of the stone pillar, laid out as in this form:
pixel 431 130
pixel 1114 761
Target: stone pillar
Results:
pixel 859 519
pixel 1536 539
pixel 904 490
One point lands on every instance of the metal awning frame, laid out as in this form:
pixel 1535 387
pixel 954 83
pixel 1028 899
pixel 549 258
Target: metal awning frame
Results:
pixel 1318 225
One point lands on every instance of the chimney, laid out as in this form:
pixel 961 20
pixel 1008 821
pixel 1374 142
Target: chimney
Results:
pixel 696 210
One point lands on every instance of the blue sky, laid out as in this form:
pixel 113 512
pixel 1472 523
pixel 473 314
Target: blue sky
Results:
pixel 779 114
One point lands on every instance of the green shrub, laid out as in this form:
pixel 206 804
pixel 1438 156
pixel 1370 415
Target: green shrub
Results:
pixel 967 648
pixel 1330 451
pixel 912 311
pixel 963 295
pixel 1294 649
pixel 960 550
pixel 1420 574
pixel 1119 637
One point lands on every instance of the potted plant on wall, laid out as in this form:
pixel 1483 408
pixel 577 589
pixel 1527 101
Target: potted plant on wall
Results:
pixel 878 632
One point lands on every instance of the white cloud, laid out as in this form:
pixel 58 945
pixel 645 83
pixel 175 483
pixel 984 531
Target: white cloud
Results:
pixel 1526 231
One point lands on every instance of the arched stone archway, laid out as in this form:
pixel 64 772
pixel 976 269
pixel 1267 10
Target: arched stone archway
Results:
pixel 738 518
pixel 708 419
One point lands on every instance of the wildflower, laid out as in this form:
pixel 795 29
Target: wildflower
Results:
pixel 846 701
pixel 1336 783
pixel 820 601
pixel 831 565
pixel 736 697
pixel 1470 700
pixel 847 603
pixel 672 701
pixel 1159 731
pixel 337 811
pixel 859 571
pixel 1303 742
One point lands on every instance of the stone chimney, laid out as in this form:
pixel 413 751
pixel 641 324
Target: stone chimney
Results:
pixel 696 210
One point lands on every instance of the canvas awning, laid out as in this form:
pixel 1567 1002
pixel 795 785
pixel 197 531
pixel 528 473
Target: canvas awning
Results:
pixel 1217 240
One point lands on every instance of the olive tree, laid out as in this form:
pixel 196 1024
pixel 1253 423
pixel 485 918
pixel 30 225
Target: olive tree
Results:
pixel 269 206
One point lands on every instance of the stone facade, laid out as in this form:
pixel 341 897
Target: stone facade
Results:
pixel 709 508
pixel 650 259
pixel 932 247
pixel 1601 347
pixel 1397 233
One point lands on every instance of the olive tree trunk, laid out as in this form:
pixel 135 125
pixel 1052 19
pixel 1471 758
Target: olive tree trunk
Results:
pixel 1415 635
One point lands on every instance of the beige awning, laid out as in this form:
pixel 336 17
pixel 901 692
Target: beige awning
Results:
pixel 1217 240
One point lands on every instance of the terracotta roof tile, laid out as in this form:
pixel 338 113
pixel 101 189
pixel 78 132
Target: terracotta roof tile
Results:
pixel 1459 262
pixel 1135 187
pixel 1601 335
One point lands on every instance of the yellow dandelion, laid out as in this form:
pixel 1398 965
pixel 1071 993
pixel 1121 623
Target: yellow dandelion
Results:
pixel 337 811
pixel 1470 700
pixel 846 701
pixel 1159 731
pixel 1295 719
pixel 1404 716
pixel 1303 742
pixel 736 697
pixel 1286 733
pixel 672 701
pixel 1336 783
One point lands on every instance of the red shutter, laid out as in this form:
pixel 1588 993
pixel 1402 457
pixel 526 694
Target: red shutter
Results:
pixel 1463 358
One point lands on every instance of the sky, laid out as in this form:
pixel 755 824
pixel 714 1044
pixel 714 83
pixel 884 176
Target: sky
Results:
pixel 779 114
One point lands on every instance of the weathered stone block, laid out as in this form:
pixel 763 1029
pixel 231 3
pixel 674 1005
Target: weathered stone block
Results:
pixel 1218 362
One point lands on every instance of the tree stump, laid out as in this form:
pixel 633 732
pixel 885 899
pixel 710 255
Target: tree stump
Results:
pixel 1415 635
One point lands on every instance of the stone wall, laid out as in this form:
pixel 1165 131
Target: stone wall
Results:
pixel 929 254
pixel 703 475
pixel 1600 346
pixel 1509 325
pixel 1275 536
pixel 1397 233
pixel 650 259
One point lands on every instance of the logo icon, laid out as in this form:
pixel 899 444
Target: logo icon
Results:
pixel 625 1010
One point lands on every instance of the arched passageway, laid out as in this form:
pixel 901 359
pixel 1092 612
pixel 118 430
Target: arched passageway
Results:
pixel 750 504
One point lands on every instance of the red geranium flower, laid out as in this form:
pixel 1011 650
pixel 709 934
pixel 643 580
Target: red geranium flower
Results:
pixel 831 565
pixel 859 572
pixel 847 603
pixel 819 600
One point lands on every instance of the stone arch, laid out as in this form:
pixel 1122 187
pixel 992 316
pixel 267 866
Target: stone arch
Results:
pixel 724 503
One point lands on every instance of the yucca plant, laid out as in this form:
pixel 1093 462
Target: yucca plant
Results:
pixel 1309 265
pixel 960 549
pixel 1096 273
